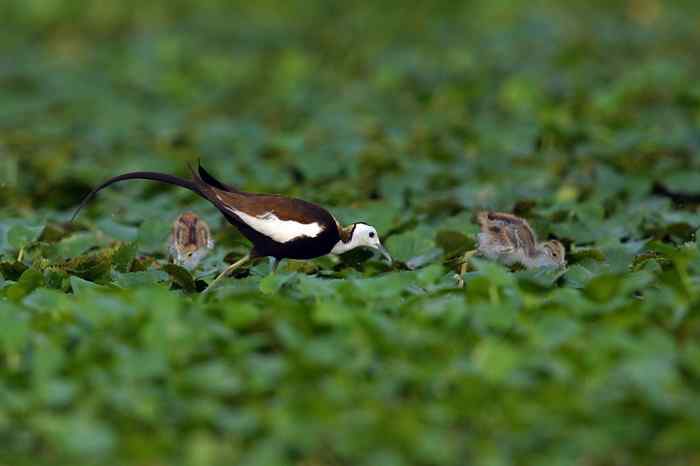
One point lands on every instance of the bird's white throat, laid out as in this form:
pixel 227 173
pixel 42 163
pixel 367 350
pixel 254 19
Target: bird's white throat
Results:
pixel 342 247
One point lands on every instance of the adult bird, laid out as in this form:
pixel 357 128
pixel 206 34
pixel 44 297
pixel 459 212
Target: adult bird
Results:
pixel 279 227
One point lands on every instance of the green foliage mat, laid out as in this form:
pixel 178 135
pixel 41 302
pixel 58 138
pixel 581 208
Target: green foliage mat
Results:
pixel 582 116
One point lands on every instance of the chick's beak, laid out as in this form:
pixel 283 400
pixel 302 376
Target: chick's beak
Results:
pixel 382 250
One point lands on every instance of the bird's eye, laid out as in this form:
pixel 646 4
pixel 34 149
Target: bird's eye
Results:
pixel 371 234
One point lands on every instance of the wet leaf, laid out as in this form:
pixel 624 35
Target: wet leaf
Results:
pixel 181 276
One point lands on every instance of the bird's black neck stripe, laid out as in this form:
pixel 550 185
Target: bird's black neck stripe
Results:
pixel 347 233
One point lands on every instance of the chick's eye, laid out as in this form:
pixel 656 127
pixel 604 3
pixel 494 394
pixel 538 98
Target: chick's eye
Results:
pixel 371 234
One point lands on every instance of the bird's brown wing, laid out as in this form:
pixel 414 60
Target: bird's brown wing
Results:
pixel 284 208
pixel 514 229
pixel 512 232
pixel 527 241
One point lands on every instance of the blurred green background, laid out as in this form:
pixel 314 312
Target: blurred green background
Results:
pixel 409 116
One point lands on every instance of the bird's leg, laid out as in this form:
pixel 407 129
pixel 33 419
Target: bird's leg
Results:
pixel 226 272
pixel 274 263
pixel 465 261
pixel 464 267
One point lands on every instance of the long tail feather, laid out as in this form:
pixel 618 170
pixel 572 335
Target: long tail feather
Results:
pixel 209 179
pixel 153 176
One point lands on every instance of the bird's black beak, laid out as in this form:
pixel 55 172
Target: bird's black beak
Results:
pixel 382 250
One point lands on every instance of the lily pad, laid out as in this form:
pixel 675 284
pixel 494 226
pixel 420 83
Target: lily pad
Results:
pixel 30 280
pixel 21 236
pixel 181 276
pixel 406 246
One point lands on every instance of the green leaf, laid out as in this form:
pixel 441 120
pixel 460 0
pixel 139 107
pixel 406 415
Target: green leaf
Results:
pixel 495 359
pixel 139 279
pixel 153 235
pixel 75 245
pixel 243 315
pixel 15 331
pixel 80 436
pixel 56 278
pixel 44 298
pixel 452 242
pixel 117 231
pixel 274 282
pixel 30 280
pixel 683 182
pixel 603 288
pixel 406 246
pixel 181 276
pixel 124 256
pixel 382 287
pixel 21 236
pixel 423 259
pixel 90 267
pixel 78 285
pixel 12 270
pixel 430 275
pixel 553 331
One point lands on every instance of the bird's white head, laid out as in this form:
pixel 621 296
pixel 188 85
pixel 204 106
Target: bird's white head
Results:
pixel 361 235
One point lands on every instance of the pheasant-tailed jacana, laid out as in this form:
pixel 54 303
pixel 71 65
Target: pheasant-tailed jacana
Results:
pixel 279 227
